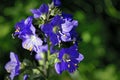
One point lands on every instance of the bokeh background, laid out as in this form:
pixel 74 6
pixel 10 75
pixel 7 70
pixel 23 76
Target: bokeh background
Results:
pixel 99 28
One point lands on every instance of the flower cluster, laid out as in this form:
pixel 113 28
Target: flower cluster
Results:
pixel 48 32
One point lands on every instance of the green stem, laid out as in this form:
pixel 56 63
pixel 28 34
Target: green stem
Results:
pixel 48 55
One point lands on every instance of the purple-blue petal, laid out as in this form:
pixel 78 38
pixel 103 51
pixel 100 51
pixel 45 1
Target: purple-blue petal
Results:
pixel 72 51
pixel 57 21
pixel 41 11
pixel 54 38
pixel 13 66
pixel 36 13
pixel 71 67
pixel 25 77
pixel 24 27
pixel 80 57
pixel 32 42
pixel 61 53
pixel 57 68
pixel 47 28
pixel 66 37
pixel 69 25
pixel 44 8
pixel 57 2
pixel 38 56
pixel 14 57
pixel 60 67
pixel 67 16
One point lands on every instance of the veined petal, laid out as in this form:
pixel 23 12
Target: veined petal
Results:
pixel 13 57
pixel 66 37
pixel 32 42
pixel 60 67
pixel 41 11
pixel 68 25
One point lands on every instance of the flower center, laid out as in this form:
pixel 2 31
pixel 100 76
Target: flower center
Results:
pixel 33 38
pixel 17 30
pixel 55 29
pixel 29 45
pixel 66 57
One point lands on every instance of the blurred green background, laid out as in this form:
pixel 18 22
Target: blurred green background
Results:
pixel 99 28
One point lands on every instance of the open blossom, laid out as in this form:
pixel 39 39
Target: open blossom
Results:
pixel 13 66
pixel 68 32
pixel 32 42
pixel 41 12
pixel 69 25
pixel 69 59
pixel 26 31
pixel 52 29
pixel 60 29
pixel 24 27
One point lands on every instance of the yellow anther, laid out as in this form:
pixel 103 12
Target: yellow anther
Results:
pixel 17 30
pixel 30 49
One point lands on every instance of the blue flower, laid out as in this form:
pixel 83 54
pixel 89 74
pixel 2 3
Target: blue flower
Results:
pixel 69 25
pixel 13 66
pixel 32 42
pixel 60 29
pixel 69 59
pixel 52 29
pixel 56 2
pixel 68 32
pixel 24 27
pixel 41 12
pixel 26 31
